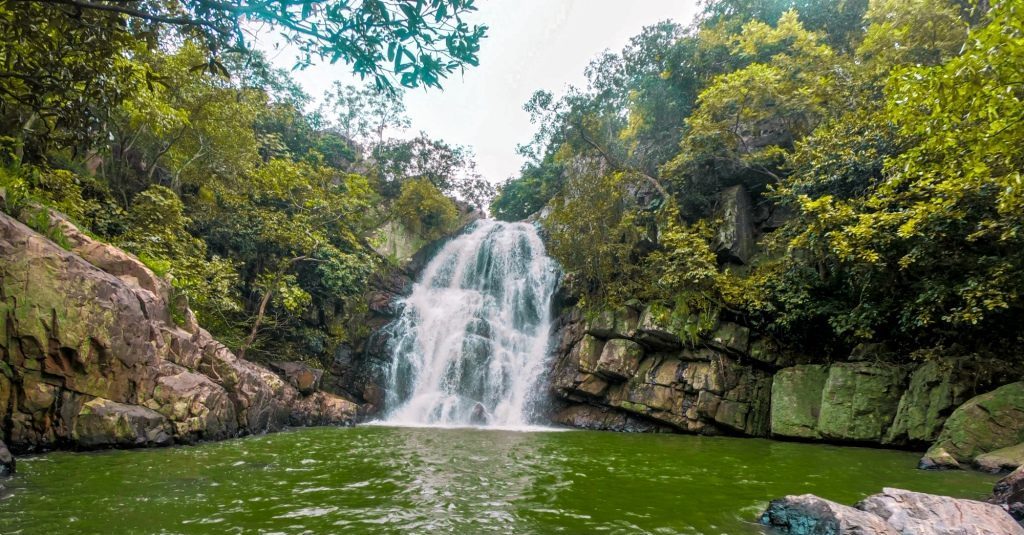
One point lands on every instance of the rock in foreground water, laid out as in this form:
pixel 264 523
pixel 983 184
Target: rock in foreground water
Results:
pixel 893 511
pixel 808 514
pixel 6 461
pixel 1009 493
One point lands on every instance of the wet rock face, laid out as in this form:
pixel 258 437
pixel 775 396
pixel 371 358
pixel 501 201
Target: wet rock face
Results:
pixel 891 512
pixel 92 359
pixel 627 368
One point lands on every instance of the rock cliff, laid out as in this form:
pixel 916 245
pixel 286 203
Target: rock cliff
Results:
pixel 95 353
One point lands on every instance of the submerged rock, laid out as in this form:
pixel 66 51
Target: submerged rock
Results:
pixel 983 424
pixel 7 463
pixel 891 512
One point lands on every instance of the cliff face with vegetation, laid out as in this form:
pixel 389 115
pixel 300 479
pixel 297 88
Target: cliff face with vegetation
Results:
pixel 97 354
pixel 797 219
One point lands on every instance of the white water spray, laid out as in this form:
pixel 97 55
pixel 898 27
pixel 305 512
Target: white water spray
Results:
pixel 471 342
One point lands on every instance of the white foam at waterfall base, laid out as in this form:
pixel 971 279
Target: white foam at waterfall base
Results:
pixel 474 332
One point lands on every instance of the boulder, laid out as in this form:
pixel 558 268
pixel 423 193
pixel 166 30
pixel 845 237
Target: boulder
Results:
pixel 927 514
pixel 859 401
pixel 1009 493
pixel 102 423
pixel 983 424
pixel 619 359
pixel 7 463
pixel 796 401
pixel 734 238
pixel 935 389
pixel 938 459
pixel 808 514
pixel 303 377
pixel 587 352
pixel 1002 459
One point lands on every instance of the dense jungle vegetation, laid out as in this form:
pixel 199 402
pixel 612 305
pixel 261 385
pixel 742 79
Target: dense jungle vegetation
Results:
pixel 881 142
pixel 157 127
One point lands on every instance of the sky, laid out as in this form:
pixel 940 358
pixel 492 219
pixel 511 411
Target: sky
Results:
pixel 531 45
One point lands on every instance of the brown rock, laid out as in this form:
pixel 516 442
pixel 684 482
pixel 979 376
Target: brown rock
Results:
pixel 303 377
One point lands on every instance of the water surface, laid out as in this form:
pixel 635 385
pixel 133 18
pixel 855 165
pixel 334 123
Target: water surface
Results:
pixel 414 480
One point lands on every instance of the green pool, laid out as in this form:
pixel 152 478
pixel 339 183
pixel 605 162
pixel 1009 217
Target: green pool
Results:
pixel 414 480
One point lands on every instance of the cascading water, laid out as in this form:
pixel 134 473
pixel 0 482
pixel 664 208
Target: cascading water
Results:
pixel 471 342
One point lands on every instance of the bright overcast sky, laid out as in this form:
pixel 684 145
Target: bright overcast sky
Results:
pixel 531 44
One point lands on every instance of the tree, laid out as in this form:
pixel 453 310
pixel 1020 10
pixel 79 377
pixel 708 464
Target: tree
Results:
pixel 412 43
pixel 425 211
pixel 450 168
pixel 365 114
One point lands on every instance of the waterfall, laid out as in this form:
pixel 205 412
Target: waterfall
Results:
pixel 471 341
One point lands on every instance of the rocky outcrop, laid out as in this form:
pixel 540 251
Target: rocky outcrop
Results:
pixel 796 401
pixel 91 357
pixel 893 511
pixel 935 389
pixel 734 238
pixel 626 366
pixel 983 424
pixel 851 401
pixel 303 377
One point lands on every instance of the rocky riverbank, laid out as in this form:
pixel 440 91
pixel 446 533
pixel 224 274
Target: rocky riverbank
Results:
pixel 648 370
pixel 97 353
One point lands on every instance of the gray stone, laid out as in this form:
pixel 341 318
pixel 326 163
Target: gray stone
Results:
pixel 734 238
pixel 102 423
pixel 619 359
pixel 927 514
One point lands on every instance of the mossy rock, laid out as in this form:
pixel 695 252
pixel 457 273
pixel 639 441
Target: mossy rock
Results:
pixel 984 424
pixel 1009 458
pixel 796 401
pixel 860 401
pixel 935 389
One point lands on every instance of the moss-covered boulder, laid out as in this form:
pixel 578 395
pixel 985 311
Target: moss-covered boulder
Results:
pixel 984 424
pixel 1009 458
pixel 796 401
pixel 731 337
pixel 587 352
pixel 860 400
